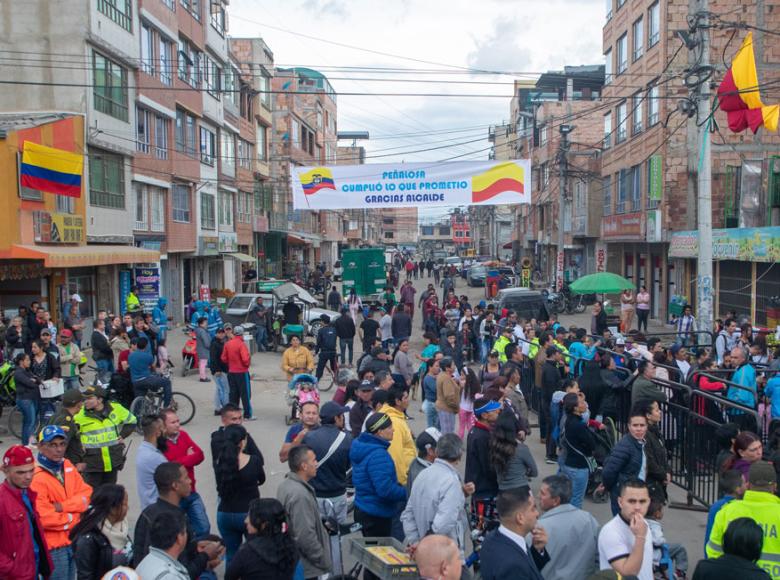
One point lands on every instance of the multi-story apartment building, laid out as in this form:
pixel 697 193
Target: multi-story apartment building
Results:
pixel 362 228
pixel 304 127
pixel 650 161
pixel 399 227
pixel 435 240
pixel 461 231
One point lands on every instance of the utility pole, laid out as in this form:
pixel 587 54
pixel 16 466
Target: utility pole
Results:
pixel 704 119
pixel 563 174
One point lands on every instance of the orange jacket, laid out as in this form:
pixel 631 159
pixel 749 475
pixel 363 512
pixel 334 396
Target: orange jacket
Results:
pixel 235 355
pixel 73 496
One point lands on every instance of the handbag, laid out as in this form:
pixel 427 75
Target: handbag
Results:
pixel 591 462
pixel 52 388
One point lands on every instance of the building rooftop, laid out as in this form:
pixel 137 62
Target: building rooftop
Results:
pixel 309 80
pixel 25 120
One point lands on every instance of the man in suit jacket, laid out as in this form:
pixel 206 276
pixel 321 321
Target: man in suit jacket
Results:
pixel 505 553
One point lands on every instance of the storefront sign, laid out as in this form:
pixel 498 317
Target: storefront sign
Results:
pixel 260 224
pixel 204 292
pixel 125 281
pixel 58 228
pixel 624 225
pixel 228 242
pixel 601 257
pixel 208 246
pixel 656 178
pixel 419 185
pixel 654 225
pixel 148 282
pixel 743 244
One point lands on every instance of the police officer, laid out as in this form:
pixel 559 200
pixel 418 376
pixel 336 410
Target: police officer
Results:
pixel 103 426
pixel 72 402
pixel 132 303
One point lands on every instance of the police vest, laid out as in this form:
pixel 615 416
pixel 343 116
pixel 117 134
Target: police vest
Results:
pixel 100 434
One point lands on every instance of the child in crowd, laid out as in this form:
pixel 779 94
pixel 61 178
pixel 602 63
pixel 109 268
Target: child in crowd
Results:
pixel 665 556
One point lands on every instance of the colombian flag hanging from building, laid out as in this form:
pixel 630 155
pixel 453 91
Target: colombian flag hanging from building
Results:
pixel 739 96
pixel 51 170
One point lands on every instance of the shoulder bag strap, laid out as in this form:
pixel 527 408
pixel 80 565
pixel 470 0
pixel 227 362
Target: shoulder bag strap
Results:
pixel 335 445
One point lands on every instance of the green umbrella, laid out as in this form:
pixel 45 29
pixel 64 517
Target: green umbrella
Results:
pixel 600 283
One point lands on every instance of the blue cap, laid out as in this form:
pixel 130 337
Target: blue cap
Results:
pixel 51 432
pixel 481 407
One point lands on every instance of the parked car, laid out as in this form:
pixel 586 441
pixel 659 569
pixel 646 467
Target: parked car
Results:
pixel 454 261
pixel 476 276
pixel 527 303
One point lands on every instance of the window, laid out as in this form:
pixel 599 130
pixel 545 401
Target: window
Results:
pixel 265 90
pixel 232 89
pixel 319 117
pixel 141 207
pixel 608 67
pixel 208 146
pixel 622 54
pixel 607 185
pixel 608 130
pixel 654 24
pixel 295 132
pixel 212 76
pixel 208 220
pixel 65 204
pixel 171 4
pixel 185 133
pixel 261 139
pixel 636 188
pixel 157 205
pixel 218 16
pixel 142 130
pixel 166 61
pixel 545 175
pixel 424 230
pixel 389 235
pixel 620 4
pixel 244 154
pixel 622 178
pixel 543 135
pixel 636 115
pixel 189 63
pixel 609 10
pixel 120 11
pixel 193 7
pixel 110 90
pixel 225 208
pixel 106 179
pixel 652 106
pixel 181 203
pixel 639 38
pixel 244 207
pixel 147 49
pixel 227 144
pixel 621 122
pixel 444 231
pixel 161 128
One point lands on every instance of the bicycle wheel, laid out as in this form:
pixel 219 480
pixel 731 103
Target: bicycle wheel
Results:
pixel 184 407
pixel 139 407
pixel 326 382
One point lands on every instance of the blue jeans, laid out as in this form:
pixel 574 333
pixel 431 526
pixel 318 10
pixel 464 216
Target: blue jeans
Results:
pixel 64 567
pixel 154 382
pixel 196 512
pixel 71 382
pixel 105 365
pixel 29 409
pixel 232 529
pixel 344 344
pixel 485 345
pixel 431 414
pixel 579 483
pixel 261 332
pixel 222 392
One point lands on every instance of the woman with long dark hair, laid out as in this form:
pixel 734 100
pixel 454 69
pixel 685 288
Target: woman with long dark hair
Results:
pixel 239 477
pixel 28 396
pixel 490 370
pixel 577 443
pixel 467 396
pixel 515 466
pixel 747 450
pixel 101 539
pixel 269 553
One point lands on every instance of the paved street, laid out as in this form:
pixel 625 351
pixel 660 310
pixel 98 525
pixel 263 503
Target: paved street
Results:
pixel 682 526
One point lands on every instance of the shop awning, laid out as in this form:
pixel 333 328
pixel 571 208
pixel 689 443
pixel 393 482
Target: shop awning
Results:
pixel 241 257
pixel 78 256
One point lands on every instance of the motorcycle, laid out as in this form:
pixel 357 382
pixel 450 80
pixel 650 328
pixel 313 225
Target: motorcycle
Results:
pixel 189 354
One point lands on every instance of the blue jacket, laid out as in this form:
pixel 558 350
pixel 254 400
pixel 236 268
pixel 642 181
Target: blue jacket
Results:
pixel 215 321
pixel 377 490
pixel 160 317
pixel 745 376
pixel 624 463
pixel 773 392
pixel 331 477
pixel 579 352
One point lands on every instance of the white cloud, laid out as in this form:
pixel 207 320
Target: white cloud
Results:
pixel 500 51
pixel 326 7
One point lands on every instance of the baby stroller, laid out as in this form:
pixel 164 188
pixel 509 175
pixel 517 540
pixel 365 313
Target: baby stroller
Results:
pixel 605 440
pixel 189 354
pixel 301 389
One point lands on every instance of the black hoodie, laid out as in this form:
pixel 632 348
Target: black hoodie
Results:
pixel 263 558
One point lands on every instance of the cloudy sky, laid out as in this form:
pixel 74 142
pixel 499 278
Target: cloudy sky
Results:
pixel 521 36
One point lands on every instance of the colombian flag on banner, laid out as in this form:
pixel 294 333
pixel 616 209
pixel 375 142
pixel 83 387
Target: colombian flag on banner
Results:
pixel 51 170
pixel 739 95
pixel 317 179
pixel 499 179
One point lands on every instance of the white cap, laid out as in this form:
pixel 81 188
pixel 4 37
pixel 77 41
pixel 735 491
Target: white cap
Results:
pixel 76 297
pixel 121 573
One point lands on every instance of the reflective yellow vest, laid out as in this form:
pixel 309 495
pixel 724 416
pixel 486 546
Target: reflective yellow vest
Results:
pixel 764 508
pixel 132 304
pixel 500 346
pixel 533 349
pixel 564 350
pixel 100 434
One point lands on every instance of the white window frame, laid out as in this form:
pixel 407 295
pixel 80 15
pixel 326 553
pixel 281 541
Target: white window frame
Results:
pixel 227 148
pixel 180 213
pixel 161 128
pixel 608 67
pixel 622 53
pixel 141 199
pixel 167 61
pixel 608 130
pixel 622 122
pixel 543 134
pixel 636 113
pixel 147 49
pixel 156 209
pixel 638 38
pixel 653 105
pixel 226 208
pixel 261 140
pixel 208 145
pixel 142 130
pixel 653 24
pixel 208 211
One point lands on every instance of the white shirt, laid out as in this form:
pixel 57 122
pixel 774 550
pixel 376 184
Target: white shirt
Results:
pixel 616 540
pixel 518 333
pixel 685 367
pixel 516 538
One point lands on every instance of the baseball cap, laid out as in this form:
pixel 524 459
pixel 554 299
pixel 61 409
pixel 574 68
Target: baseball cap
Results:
pixel 238 329
pixel 71 397
pixel 67 332
pixel 94 391
pixel 227 326
pixel 428 438
pixel 331 410
pixel 76 297
pixel 45 331
pixel 51 432
pixel 366 386
pixel 620 341
pixel 676 347
pixel 18 455
pixel 485 405
pixel 221 329
pixel 762 473
pixel 377 422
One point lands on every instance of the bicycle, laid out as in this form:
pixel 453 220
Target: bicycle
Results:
pixel 327 381
pixel 15 419
pixel 151 403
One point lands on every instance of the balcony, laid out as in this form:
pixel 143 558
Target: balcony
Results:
pixel 277 221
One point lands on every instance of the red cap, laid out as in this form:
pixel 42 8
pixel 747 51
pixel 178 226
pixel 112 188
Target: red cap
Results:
pixel 66 332
pixel 17 456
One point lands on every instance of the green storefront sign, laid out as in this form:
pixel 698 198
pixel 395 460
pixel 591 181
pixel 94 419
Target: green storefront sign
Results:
pixel 743 244
pixel 655 178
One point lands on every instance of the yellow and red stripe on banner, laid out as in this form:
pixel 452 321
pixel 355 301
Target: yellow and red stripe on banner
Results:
pixel 51 170
pixel 503 177
pixel 739 96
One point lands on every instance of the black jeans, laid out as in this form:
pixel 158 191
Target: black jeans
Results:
pixel 240 390
pixel 642 317
pixel 97 478
pixel 373 527
pixel 324 358
pixel 347 344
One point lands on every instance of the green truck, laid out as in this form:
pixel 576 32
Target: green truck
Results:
pixel 364 270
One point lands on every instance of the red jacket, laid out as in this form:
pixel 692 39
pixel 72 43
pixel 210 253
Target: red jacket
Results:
pixel 179 451
pixel 17 559
pixel 235 355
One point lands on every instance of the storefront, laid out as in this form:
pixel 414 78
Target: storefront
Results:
pixel 746 272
